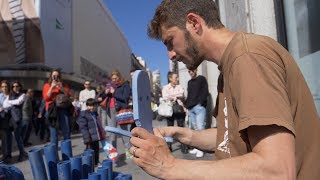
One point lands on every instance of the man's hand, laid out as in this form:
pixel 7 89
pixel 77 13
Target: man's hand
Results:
pixel 1 109
pixel 180 134
pixel 151 152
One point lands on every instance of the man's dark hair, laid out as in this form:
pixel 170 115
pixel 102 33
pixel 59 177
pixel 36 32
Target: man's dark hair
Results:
pixel 91 102
pixel 173 13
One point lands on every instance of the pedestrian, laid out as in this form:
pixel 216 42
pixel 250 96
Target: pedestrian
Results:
pixel 58 117
pixel 41 119
pixel 4 123
pixel 102 105
pixel 120 91
pixel 196 103
pixel 14 102
pixel 92 129
pixel 85 94
pixel 27 116
pixel 174 93
pixel 268 126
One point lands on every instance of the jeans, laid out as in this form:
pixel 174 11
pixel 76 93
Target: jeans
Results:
pixel 104 116
pixel 26 134
pixel 9 142
pixel 18 134
pixel 3 142
pixel 197 116
pixel 44 128
pixel 63 119
pixel 178 117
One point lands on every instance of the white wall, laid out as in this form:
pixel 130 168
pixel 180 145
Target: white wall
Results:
pixel 97 38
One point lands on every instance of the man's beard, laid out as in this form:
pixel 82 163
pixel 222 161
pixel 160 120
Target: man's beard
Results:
pixel 192 52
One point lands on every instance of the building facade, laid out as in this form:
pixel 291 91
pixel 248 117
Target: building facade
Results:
pixel 79 37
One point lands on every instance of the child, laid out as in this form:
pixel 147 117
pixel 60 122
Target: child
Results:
pixel 93 132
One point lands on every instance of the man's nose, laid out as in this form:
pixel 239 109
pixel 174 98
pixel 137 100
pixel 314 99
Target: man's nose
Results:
pixel 172 55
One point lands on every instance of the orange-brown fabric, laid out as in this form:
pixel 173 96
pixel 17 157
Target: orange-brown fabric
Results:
pixel 260 84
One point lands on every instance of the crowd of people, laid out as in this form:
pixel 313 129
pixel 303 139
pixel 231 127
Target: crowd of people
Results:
pixel 58 111
pixel 193 106
pixel 18 114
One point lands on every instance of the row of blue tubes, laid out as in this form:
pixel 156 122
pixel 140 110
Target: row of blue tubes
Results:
pixel 70 168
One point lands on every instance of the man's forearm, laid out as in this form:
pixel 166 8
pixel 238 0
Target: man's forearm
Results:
pixel 249 166
pixel 204 139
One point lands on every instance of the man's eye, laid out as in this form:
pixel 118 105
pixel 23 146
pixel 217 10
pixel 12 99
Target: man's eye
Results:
pixel 169 45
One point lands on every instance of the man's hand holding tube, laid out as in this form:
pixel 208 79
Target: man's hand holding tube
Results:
pixel 151 152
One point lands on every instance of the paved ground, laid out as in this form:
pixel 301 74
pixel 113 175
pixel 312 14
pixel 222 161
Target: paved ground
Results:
pixel 124 166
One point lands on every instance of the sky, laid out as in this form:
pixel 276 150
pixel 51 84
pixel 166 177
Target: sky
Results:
pixel 132 17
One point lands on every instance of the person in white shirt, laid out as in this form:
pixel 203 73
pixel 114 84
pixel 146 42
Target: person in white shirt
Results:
pixel 175 93
pixel 85 94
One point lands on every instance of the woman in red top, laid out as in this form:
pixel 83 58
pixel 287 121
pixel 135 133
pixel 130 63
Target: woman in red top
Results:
pixel 50 90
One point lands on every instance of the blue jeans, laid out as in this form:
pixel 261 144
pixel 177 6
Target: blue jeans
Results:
pixel 197 116
pixel 63 119
pixel 18 134
pixel 27 131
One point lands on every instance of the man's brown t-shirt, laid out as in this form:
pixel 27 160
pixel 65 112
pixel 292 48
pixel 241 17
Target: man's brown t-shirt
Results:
pixel 260 84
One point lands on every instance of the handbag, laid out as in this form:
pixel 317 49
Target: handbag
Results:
pixel 165 108
pixel 62 101
pixel 52 116
pixel 104 103
pixel 177 108
pixel 124 116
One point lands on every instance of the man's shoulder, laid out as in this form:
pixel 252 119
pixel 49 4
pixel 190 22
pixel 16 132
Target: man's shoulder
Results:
pixel 251 45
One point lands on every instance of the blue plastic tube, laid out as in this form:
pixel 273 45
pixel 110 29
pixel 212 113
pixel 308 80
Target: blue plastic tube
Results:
pixel 126 177
pixel 66 149
pixel 76 163
pixel 51 156
pixel 103 171
pixel 90 151
pixel 86 165
pixel 118 176
pixel 94 176
pixel 108 164
pixel 64 170
pixel 37 164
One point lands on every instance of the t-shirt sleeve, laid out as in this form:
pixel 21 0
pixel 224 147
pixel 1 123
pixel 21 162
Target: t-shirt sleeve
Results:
pixel 259 95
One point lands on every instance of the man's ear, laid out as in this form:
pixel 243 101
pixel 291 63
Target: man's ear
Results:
pixel 194 22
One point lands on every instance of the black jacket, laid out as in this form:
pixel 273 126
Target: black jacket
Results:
pixel 197 92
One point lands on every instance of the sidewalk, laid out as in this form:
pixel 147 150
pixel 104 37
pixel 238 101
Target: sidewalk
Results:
pixel 125 166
